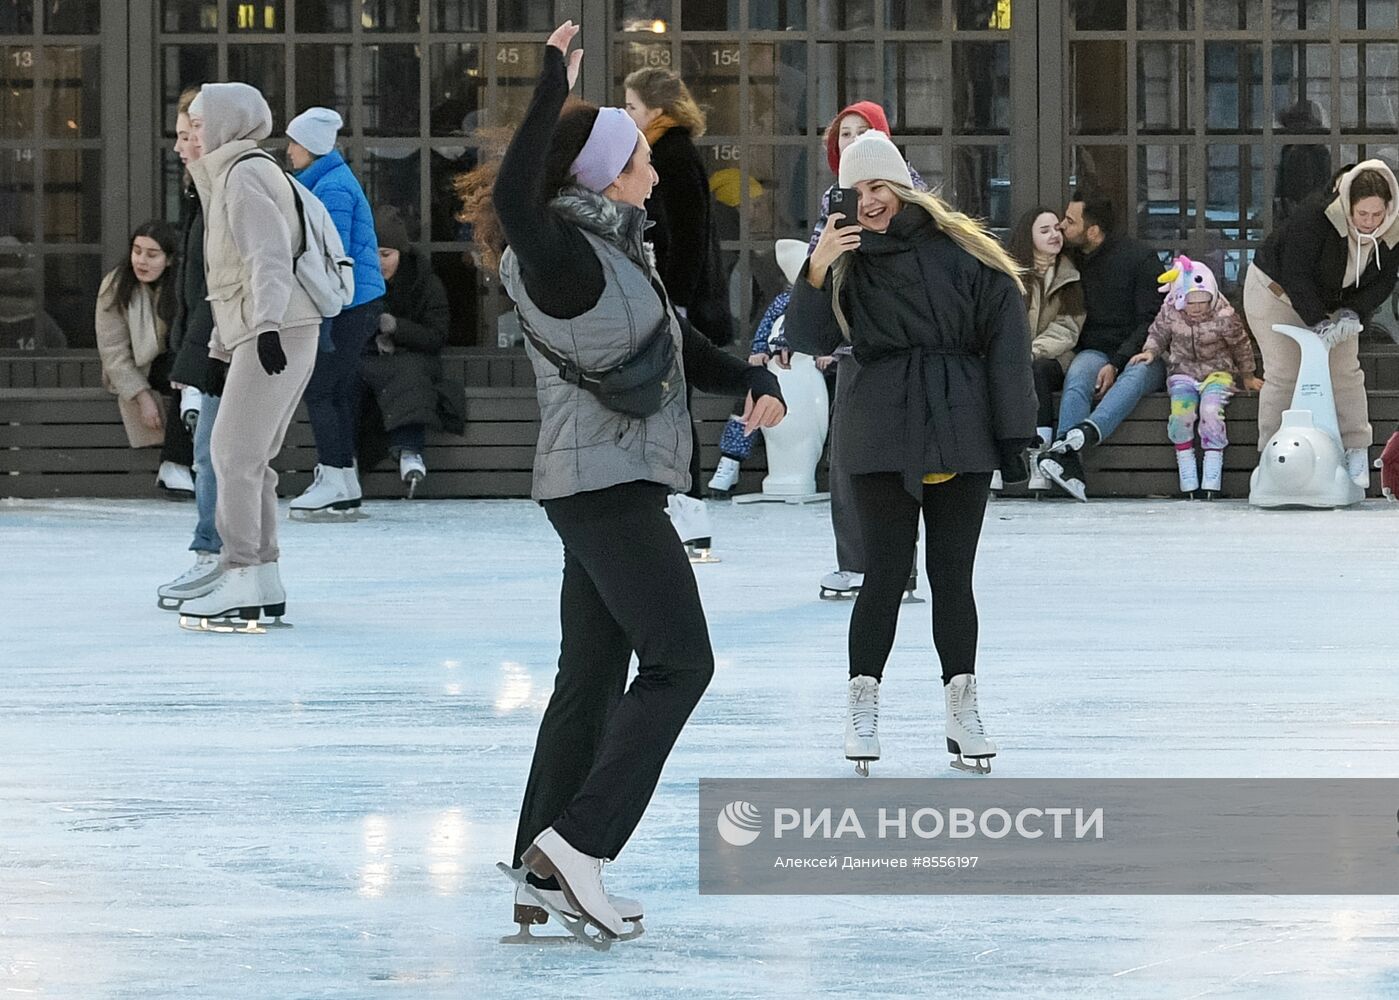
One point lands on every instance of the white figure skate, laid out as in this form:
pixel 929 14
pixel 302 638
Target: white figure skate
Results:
pixel 966 737
pixel 862 724
pixel 196 581
pixel 412 470
pixel 529 913
pixel 333 495
pixel 690 517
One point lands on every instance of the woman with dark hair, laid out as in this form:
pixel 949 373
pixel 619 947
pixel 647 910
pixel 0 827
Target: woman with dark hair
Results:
pixel 570 196
pixel 684 236
pixel 1054 299
pixel 1333 263
pixel 136 305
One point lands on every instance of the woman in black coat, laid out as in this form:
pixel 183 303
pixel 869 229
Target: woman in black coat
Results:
pixel 402 367
pixel 944 396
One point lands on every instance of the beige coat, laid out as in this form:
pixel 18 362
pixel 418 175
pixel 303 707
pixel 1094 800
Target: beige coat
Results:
pixel 1055 333
pixel 251 228
pixel 128 340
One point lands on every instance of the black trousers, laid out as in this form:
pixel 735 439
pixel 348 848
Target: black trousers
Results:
pixel 952 515
pixel 178 446
pixel 1049 379
pixel 627 587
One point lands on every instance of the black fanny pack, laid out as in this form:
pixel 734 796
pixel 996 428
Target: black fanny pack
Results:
pixel 635 387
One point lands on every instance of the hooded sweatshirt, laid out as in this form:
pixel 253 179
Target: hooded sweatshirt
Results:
pixel 1323 264
pixel 251 229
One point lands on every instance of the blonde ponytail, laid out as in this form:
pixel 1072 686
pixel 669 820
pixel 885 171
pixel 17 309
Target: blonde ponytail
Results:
pixel 966 232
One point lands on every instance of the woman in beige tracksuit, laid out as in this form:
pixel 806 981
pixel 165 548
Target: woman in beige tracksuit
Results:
pixel 265 326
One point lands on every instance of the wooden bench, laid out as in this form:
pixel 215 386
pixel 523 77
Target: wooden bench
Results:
pixel 58 442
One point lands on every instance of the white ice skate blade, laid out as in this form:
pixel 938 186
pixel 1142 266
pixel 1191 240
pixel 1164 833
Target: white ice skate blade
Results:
pixel 862 767
pixel 701 556
pixel 978 765
pixel 327 516
pixel 828 594
pixel 223 626
pixel 577 927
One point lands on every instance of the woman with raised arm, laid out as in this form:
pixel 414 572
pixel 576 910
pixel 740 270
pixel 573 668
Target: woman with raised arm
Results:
pixel 568 200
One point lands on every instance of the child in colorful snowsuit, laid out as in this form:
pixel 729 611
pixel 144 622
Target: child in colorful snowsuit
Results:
pixel 1207 352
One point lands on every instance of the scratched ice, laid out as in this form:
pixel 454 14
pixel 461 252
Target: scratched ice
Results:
pixel 316 813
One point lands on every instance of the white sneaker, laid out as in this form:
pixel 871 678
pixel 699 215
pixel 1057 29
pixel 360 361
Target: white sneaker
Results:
pixel 1358 466
pixel 196 581
pixel 175 479
pixel 239 593
pixel 725 476
pixel 842 581
pixel 966 737
pixel 328 490
pixel 579 875
pixel 862 723
pixel 1187 471
pixel 628 909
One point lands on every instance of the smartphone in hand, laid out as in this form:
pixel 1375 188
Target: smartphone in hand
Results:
pixel 847 201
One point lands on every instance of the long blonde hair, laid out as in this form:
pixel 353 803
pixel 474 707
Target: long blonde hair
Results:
pixel 968 233
pixel 664 89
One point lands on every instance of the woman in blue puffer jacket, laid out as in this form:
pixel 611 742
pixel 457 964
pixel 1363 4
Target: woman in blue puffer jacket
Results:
pixel 332 398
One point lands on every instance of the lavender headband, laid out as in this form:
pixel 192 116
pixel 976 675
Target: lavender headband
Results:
pixel 608 149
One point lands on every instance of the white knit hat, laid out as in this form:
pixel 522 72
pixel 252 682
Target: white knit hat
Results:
pixel 873 157
pixel 791 255
pixel 315 129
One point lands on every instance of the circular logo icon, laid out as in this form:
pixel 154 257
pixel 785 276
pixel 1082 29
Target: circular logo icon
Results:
pixel 740 823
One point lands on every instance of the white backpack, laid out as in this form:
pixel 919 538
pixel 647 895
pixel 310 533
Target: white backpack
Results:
pixel 321 266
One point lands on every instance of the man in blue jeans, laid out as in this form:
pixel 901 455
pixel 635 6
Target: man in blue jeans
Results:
pixel 1119 277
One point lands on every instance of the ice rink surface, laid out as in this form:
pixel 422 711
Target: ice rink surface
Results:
pixel 317 813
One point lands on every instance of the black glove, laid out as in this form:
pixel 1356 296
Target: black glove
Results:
pixel 1015 466
pixel 270 353
pixel 218 375
pixel 762 382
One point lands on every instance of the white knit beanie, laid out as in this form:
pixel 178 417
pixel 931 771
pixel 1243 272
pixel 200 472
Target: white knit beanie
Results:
pixel 315 129
pixel 873 157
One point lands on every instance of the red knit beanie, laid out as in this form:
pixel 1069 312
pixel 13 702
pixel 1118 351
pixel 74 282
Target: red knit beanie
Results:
pixel 867 110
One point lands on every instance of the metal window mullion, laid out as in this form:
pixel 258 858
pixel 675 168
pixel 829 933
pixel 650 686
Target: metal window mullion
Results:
pixel 1132 136
pixel 425 121
pixel 1197 152
pixel 1269 148
pixel 744 264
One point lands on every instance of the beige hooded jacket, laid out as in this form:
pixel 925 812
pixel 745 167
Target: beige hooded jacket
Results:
pixel 251 229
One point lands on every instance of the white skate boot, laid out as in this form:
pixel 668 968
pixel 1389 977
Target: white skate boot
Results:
pixel 412 470
pixel 691 520
pixel 841 585
pixel 997 482
pixel 329 493
pixel 196 581
pixel 270 582
pixel 862 724
pixel 725 476
pixel 191 402
pixel 1212 474
pixel 528 913
pixel 176 480
pixel 580 877
pixel 965 735
pixel 1358 466
pixel 1038 482
pixel 1189 474
pixel 241 593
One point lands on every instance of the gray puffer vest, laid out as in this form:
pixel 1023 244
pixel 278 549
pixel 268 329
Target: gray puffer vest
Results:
pixel 582 444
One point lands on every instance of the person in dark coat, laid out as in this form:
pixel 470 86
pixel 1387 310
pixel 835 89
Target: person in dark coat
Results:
pixel 1303 168
pixel 193 368
pixel 944 396
pixel 1329 267
pixel 401 366
pixel 685 236
pixel 1102 386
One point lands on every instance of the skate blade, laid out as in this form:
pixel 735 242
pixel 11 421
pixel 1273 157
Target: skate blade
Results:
pixel 978 765
pixel 221 626
pixel 862 767
pixel 911 598
pixel 839 595
pixel 700 556
pixel 327 516
pixel 577 927
pixel 171 603
pixel 530 916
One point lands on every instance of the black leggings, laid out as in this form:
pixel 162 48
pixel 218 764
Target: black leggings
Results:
pixel 952 517
pixel 627 586
pixel 1049 379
